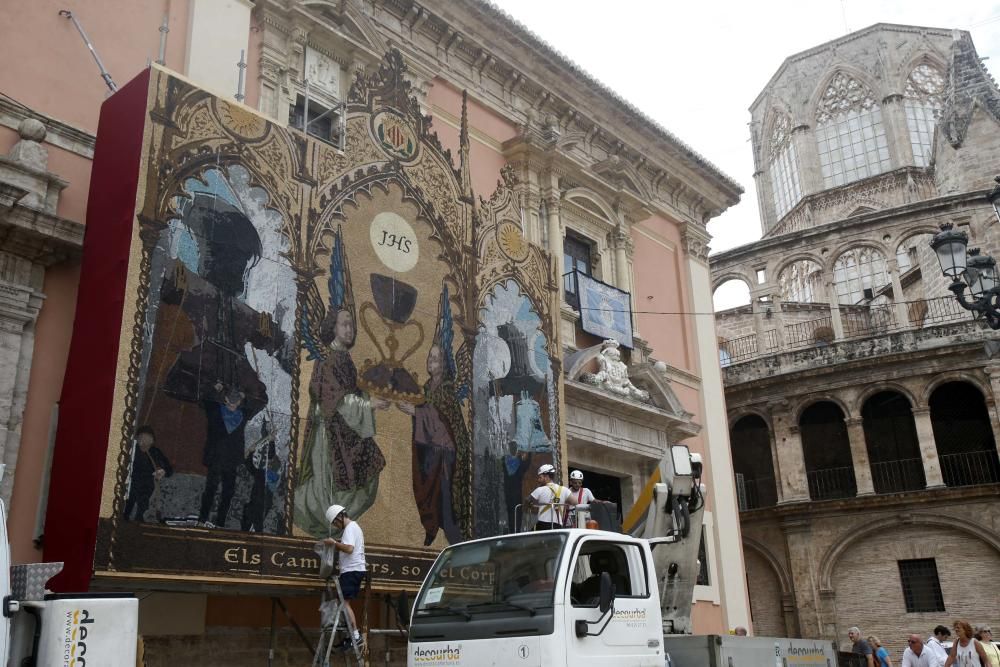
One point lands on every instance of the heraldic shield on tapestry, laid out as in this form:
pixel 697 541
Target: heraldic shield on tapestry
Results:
pixel 304 326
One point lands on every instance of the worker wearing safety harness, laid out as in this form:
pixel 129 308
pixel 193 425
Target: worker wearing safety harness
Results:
pixel 548 494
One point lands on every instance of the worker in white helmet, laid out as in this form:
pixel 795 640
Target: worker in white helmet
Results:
pixel 352 563
pixel 581 494
pixel 550 499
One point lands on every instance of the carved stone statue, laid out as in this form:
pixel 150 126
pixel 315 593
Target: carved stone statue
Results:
pixel 613 373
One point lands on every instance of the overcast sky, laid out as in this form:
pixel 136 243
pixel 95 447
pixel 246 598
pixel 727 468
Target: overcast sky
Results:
pixel 696 66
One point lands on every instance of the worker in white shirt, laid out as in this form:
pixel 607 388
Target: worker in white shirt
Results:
pixel 581 494
pixel 550 499
pixel 352 564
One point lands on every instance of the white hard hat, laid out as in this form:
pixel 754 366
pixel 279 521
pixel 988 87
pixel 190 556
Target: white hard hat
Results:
pixel 333 511
pixel 576 474
pixel 546 469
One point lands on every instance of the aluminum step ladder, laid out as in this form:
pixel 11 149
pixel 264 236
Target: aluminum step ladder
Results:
pixel 335 622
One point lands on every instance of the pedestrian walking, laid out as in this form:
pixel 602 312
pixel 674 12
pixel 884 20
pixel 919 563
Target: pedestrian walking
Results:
pixel 882 658
pixel 859 646
pixel 936 642
pixel 919 654
pixel 985 636
pixel 966 651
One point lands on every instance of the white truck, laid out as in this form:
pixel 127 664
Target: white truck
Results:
pixel 42 629
pixel 583 596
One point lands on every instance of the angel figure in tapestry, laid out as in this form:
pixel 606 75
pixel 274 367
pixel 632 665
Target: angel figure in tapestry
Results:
pixel 441 443
pixel 341 462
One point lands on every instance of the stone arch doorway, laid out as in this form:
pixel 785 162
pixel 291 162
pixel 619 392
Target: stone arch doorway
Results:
pixel 766 594
pixel 875 567
pixel 963 435
pixel 893 446
pixel 827 452
pixel 750 441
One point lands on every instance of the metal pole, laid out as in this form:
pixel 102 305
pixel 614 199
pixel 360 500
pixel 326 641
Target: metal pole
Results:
pixel 164 29
pixel 274 631
pixel 86 40
pixel 242 67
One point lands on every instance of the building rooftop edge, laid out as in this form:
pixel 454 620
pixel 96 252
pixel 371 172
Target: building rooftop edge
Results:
pixel 540 44
pixel 857 34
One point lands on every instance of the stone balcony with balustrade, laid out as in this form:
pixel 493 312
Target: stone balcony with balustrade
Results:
pixel 806 334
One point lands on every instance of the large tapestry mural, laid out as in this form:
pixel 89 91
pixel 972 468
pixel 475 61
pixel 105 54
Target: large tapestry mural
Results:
pixel 305 326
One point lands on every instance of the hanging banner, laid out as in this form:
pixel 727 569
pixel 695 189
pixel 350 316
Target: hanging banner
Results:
pixel 605 311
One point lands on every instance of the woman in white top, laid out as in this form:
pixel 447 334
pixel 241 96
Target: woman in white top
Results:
pixel 966 651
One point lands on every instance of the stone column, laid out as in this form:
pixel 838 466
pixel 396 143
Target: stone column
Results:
pixel 19 306
pixel 831 297
pixel 798 543
pixel 624 247
pixel 555 232
pixel 777 318
pixel 810 178
pixel 859 456
pixel 928 447
pixel 790 464
pixel 896 129
pixel 992 402
pixel 902 317
pixel 712 405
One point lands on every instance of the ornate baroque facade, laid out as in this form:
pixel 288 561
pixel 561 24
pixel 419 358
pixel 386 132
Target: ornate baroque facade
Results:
pixel 862 400
pixel 604 189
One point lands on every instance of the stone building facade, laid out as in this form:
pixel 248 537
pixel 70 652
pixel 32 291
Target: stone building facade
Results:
pixel 862 399
pixel 607 191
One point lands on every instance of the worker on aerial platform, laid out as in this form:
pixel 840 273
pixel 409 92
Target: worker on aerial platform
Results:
pixel 550 498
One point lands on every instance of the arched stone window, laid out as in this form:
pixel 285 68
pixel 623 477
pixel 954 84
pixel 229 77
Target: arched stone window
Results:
pixel 750 442
pixel 966 449
pixel 893 445
pixel 850 137
pixel 858 270
pixel 922 99
pixel 826 448
pixel 783 165
pixel 801 281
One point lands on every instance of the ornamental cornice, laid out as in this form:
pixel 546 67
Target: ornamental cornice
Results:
pixel 57 133
pixel 616 112
pixel 696 246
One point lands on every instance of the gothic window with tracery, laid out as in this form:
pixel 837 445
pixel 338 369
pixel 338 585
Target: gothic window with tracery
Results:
pixel 859 274
pixel 922 100
pixel 849 133
pixel 784 168
pixel 801 281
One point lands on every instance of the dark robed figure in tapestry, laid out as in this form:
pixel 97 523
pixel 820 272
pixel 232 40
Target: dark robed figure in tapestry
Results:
pixel 441 442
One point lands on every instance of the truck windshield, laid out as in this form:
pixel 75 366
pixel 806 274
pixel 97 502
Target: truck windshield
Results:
pixel 513 574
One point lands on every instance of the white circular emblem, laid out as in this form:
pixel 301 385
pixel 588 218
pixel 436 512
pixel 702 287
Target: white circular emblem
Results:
pixel 394 241
pixel 522 651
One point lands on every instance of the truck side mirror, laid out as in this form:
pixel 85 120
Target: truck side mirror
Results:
pixel 605 604
pixel 607 594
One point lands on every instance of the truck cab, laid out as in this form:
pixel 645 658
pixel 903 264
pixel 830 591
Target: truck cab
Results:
pixel 537 599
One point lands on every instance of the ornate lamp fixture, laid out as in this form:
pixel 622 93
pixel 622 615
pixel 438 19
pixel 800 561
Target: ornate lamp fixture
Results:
pixel 969 269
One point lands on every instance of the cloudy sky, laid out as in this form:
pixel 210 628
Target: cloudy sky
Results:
pixel 695 67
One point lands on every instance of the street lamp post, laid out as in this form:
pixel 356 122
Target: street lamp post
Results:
pixel 970 270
